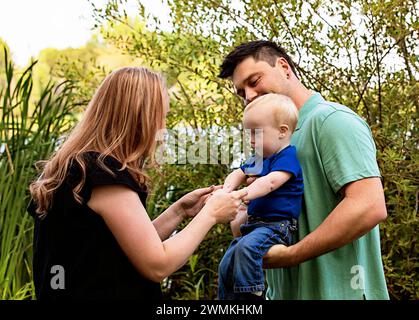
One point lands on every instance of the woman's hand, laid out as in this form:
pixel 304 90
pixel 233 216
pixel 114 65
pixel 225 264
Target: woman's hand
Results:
pixel 191 203
pixel 223 206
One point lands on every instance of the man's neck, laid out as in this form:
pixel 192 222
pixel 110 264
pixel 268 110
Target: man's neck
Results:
pixel 301 95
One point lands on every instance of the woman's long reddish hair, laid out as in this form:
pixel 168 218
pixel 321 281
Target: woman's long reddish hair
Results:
pixel 121 120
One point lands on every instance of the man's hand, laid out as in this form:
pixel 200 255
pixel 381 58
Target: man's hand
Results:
pixel 279 256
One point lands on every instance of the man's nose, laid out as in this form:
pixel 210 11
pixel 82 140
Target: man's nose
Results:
pixel 250 95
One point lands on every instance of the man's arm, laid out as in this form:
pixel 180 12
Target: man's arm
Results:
pixel 361 209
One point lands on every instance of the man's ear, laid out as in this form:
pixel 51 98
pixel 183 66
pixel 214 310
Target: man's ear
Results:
pixel 282 63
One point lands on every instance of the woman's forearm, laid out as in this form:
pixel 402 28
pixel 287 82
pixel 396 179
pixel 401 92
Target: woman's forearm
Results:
pixel 182 245
pixel 127 219
pixel 168 221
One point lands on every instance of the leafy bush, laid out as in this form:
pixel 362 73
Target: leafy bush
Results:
pixel 29 131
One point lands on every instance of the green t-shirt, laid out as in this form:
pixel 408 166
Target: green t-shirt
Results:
pixel 335 147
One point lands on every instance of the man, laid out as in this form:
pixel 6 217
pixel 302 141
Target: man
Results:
pixel 337 254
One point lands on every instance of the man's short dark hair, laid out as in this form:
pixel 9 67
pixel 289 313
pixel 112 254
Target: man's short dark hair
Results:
pixel 260 50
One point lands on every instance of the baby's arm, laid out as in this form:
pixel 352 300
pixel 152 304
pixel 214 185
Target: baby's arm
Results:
pixel 266 184
pixel 234 179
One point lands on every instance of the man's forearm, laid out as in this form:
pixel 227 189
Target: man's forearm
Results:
pixel 354 216
pixel 343 225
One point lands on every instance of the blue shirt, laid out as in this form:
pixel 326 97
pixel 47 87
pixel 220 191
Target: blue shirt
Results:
pixel 286 200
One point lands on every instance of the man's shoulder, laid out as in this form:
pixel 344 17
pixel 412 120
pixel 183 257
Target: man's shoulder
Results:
pixel 326 108
pixel 327 111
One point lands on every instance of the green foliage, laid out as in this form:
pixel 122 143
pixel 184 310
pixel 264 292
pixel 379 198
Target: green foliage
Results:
pixel 27 133
pixel 2 73
pixel 359 53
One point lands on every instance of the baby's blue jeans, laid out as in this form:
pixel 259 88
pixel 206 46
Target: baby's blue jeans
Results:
pixel 240 271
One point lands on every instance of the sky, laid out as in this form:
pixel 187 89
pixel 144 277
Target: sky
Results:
pixel 28 26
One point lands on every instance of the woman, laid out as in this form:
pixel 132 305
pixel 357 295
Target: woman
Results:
pixel 93 237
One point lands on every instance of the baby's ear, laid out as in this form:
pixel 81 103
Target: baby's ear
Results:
pixel 283 129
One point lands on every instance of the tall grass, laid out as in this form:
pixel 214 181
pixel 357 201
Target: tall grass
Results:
pixel 29 131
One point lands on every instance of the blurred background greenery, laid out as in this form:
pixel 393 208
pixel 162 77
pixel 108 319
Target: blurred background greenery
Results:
pixel 361 53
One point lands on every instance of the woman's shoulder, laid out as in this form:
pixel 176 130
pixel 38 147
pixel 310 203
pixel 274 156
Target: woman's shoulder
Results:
pixel 102 169
pixel 93 158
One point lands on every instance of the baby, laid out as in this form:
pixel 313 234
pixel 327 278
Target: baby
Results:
pixel 275 197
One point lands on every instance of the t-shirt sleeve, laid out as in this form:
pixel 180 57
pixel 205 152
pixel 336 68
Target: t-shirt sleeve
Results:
pixel 347 149
pixel 287 161
pixel 244 166
pixel 97 175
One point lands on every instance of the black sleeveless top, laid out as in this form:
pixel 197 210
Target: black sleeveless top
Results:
pixel 75 255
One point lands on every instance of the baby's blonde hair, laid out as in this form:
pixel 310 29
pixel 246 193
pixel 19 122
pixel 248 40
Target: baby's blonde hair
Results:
pixel 285 111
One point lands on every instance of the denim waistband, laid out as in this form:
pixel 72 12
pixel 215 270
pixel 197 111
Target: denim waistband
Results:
pixel 251 219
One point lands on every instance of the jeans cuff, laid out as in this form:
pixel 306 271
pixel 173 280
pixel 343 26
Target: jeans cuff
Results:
pixel 257 287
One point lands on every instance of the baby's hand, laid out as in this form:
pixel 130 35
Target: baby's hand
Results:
pixel 251 179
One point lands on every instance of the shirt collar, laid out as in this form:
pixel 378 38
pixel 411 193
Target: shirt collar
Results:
pixel 307 108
